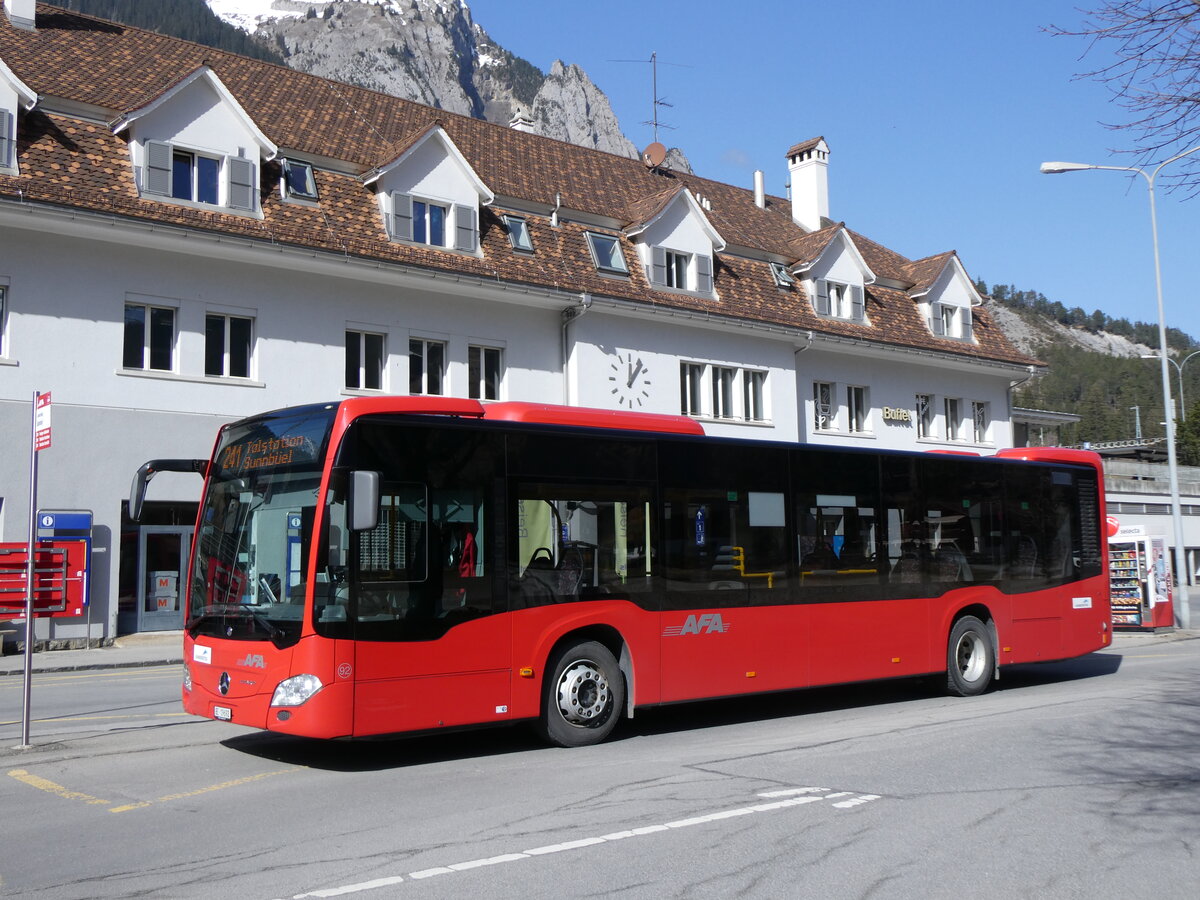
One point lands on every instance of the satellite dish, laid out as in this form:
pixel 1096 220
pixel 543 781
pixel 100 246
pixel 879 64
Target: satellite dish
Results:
pixel 654 155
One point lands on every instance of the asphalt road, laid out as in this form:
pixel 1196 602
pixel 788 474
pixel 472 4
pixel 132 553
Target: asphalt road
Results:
pixel 1076 779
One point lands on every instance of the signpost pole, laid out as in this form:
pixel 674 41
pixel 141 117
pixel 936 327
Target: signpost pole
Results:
pixel 30 569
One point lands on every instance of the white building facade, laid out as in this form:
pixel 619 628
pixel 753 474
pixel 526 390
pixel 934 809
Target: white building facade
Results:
pixel 179 248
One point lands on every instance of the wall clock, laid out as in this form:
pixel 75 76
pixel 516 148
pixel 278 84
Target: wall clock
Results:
pixel 630 381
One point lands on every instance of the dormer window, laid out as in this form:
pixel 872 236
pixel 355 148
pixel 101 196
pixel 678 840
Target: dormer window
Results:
pixel 606 253
pixel 298 182
pixel 429 222
pixel 193 176
pixel 681 271
pixel 840 301
pixel 518 233
pixel 783 278
pixel 947 320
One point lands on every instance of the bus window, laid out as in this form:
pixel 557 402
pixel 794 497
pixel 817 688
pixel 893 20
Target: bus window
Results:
pixel 838 532
pixel 577 542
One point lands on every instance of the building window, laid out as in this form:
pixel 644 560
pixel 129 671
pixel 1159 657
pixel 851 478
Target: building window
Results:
pixel 950 321
pixel 228 346
pixel 676 274
pixel 194 177
pixel 722 392
pixel 429 223
pixel 754 404
pixel 856 406
pixel 298 181
pixel 149 337
pixel 606 253
pixel 7 121
pixel 781 275
pixel 365 360
pixel 841 301
pixel 518 233
pixel 483 373
pixel 925 416
pixel 3 310
pixel 979 422
pixel 823 419
pixel 691 391
pixel 953 420
pixel 426 367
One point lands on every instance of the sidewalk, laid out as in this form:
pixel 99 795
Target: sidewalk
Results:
pixel 162 648
pixel 151 648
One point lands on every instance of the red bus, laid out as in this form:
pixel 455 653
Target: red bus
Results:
pixel 404 564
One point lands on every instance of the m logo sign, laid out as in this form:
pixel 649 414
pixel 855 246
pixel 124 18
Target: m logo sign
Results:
pixel 706 623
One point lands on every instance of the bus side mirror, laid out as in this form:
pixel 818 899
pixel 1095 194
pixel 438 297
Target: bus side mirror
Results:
pixel 364 500
pixel 137 490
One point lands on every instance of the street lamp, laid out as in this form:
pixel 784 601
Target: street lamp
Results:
pixel 1182 612
pixel 1179 373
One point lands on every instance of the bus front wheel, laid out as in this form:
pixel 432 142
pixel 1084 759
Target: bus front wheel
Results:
pixel 970 658
pixel 584 695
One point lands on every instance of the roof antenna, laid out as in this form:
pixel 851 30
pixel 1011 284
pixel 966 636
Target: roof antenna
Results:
pixel 655 100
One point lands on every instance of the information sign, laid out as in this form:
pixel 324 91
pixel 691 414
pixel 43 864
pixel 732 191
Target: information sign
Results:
pixel 41 423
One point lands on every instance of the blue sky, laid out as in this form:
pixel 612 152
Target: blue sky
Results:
pixel 937 114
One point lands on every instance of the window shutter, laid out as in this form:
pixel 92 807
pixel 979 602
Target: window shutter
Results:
pixel 658 265
pixel 241 183
pixel 968 325
pixel 400 222
pixel 6 141
pixel 466 234
pixel 936 324
pixel 823 298
pixel 856 303
pixel 704 274
pixel 158 169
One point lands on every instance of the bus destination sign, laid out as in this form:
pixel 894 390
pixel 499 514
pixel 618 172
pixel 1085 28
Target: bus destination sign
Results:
pixel 266 453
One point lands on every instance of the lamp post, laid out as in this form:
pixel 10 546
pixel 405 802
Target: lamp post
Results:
pixel 1179 373
pixel 1182 612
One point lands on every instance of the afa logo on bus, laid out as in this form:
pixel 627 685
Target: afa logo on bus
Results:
pixel 706 623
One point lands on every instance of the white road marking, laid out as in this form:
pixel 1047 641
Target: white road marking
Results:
pixel 790 798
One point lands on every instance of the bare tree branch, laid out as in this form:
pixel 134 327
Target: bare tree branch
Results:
pixel 1154 75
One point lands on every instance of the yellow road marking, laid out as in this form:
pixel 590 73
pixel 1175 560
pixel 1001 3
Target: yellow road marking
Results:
pixel 204 790
pixel 43 784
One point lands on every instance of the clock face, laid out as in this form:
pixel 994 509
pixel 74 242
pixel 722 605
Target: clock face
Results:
pixel 629 381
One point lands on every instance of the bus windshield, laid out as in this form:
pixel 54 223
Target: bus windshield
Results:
pixel 255 527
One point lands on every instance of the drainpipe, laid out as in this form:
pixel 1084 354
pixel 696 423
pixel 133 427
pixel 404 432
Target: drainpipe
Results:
pixel 799 394
pixel 569 315
pixel 1012 386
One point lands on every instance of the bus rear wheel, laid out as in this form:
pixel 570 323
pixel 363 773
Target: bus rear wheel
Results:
pixel 970 658
pixel 584 695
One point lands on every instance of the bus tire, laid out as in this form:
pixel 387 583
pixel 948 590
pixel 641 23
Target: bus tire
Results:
pixel 584 695
pixel 970 658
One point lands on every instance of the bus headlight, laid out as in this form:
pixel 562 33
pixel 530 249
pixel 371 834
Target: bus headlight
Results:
pixel 187 677
pixel 295 691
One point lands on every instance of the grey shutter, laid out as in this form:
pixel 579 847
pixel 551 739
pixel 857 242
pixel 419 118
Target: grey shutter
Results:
pixel 466 235
pixel 658 265
pixel 823 298
pixel 241 183
pixel 704 274
pixel 158 169
pixel 400 221
pixel 936 324
pixel 6 141
pixel 968 325
pixel 856 303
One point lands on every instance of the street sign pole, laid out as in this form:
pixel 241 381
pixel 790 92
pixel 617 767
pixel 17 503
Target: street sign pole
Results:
pixel 39 439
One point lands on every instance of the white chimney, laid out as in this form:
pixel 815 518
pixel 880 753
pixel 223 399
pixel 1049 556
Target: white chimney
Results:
pixel 521 121
pixel 808 165
pixel 20 13
pixel 760 190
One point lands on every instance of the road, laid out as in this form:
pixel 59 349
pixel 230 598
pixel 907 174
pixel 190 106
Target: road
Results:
pixel 1076 779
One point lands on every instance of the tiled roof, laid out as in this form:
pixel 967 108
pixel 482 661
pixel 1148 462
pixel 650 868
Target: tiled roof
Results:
pixel 74 162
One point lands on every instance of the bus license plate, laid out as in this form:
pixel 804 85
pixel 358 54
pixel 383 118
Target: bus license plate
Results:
pixel 224 713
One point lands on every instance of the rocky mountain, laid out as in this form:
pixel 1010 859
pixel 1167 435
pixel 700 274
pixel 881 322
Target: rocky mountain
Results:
pixel 433 52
